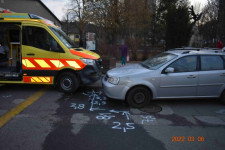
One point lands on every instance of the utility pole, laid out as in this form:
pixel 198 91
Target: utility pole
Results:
pixel 67 23
pixel 67 20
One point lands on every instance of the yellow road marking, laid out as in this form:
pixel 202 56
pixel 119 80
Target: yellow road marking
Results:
pixel 17 109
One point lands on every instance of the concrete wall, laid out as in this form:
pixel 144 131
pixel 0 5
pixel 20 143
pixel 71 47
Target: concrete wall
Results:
pixel 30 6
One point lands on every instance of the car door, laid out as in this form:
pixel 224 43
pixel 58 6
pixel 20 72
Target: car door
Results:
pixel 40 53
pixel 211 76
pixel 182 82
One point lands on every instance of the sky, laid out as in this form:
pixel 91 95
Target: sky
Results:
pixel 58 6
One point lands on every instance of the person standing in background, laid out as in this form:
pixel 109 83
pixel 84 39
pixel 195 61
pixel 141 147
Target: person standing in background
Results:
pixel 123 48
pixel 219 45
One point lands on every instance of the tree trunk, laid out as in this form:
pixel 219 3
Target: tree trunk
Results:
pixel 221 20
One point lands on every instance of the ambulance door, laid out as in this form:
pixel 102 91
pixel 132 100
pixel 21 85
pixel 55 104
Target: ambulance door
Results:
pixel 40 54
pixel 10 51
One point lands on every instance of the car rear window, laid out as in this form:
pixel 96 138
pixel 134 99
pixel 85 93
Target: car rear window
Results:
pixel 211 63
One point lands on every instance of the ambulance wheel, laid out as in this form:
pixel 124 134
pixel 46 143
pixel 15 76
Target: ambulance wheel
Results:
pixel 68 82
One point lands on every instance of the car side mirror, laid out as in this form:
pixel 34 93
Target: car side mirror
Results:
pixel 169 70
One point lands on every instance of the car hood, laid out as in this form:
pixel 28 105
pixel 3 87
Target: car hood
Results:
pixel 127 70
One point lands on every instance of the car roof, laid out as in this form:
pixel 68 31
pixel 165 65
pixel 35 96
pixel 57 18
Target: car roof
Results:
pixel 191 51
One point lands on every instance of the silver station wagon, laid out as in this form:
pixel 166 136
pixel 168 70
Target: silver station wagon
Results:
pixel 172 74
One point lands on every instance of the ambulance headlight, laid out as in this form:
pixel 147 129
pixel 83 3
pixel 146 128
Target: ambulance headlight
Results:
pixel 88 61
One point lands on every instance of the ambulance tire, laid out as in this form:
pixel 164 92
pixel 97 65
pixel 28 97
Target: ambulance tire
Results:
pixel 68 82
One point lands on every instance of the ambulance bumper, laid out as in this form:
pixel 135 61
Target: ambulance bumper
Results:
pixel 90 74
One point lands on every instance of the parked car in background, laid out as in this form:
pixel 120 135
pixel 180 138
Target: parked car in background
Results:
pixel 187 73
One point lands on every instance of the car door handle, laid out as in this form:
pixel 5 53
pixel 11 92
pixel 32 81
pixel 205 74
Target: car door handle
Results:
pixel 30 54
pixel 191 76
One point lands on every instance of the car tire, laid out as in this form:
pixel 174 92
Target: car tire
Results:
pixel 68 82
pixel 222 98
pixel 138 97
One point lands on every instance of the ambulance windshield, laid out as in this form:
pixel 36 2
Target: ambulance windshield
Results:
pixel 64 38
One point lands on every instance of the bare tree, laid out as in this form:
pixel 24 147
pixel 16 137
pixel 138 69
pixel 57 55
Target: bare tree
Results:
pixel 115 18
pixel 210 11
pixel 209 28
pixel 77 12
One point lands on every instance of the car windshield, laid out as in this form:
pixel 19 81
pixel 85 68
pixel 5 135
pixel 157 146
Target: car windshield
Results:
pixel 64 38
pixel 158 60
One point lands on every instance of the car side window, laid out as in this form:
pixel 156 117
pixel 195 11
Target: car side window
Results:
pixel 185 64
pixel 39 38
pixel 211 63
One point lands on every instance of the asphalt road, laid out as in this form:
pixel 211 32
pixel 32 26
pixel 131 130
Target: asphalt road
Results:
pixel 36 117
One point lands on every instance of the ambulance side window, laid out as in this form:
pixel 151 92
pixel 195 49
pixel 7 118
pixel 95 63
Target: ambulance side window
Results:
pixel 39 38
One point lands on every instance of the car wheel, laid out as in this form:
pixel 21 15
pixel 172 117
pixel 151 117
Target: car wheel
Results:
pixel 138 97
pixel 222 98
pixel 68 82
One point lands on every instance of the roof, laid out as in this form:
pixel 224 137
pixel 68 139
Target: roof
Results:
pixel 70 27
pixel 50 11
pixel 191 50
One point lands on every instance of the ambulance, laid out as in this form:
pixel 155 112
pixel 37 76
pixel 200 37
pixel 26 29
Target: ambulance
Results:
pixel 35 51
